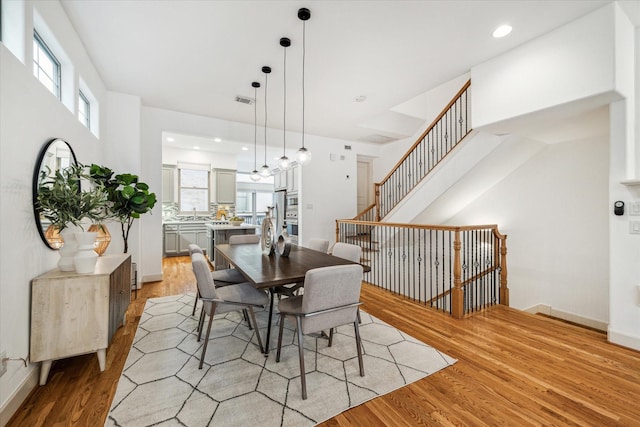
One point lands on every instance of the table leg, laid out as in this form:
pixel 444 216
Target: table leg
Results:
pixel 266 344
pixel 44 371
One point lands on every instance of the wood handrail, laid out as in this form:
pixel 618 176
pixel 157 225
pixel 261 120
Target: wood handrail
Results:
pixel 421 226
pixel 424 134
pixel 365 210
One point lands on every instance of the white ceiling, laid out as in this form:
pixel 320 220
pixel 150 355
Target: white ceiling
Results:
pixel 196 56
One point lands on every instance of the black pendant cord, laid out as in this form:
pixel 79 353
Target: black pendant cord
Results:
pixel 303 58
pixel 284 118
pixel 266 78
pixel 255 126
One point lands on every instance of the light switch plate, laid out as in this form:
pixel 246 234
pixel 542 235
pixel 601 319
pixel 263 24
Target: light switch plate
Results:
pixel 634 227
pixel 634 208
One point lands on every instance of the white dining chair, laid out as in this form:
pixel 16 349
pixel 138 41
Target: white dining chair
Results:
pixel 220 300
pixel 320 245
pixel 331 299
pixel 222 277
pixel 347 251
pixel 244 239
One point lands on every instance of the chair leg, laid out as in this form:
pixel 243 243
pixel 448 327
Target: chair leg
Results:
pixel 201 323
pixel 253 319
pixel 195 303
pixel 246 318
pixel 206 339
pixel 359 345
pixel 303 380
pixel 330 337
pixel 280 337
pixel 359 320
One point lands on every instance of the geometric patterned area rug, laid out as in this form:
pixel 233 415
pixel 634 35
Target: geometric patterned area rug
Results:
pixel 161 384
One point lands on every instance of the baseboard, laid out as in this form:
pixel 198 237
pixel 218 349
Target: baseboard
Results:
pixel 14 402
pixel 570 317
pixel 624 340
pixel 151 278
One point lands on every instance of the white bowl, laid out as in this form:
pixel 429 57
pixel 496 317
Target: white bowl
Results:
pixel 236 223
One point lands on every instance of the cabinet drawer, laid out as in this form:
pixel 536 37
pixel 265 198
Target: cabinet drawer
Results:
pixel 192 227
pixel 171 227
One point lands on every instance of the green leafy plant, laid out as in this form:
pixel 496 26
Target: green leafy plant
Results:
pixel 127 197
pixel 63 202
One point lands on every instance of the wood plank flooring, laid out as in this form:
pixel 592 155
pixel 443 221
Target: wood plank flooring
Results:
pixel 513 369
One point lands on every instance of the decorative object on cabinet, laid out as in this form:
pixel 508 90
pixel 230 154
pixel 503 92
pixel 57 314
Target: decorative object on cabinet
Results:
pixel 74 314
pixel 68 249
pixel 128 198
pixel 268 233
pixel 303 155
pixel 103 237
pixel 283 162
pixel 265 171
pixel 59 196
pixel 85 258
pixel 255 175
pixel 55 154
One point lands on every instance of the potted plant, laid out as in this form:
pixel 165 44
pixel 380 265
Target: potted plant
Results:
pixel 65 204
pixel 127 197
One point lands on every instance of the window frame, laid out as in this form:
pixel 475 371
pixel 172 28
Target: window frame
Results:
pixel 57 79
pixel 84 109
pixel 206 189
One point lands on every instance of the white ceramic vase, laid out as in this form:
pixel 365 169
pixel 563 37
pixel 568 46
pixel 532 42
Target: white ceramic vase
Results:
pixel 85 258
pixel 68 249
pixel 268 239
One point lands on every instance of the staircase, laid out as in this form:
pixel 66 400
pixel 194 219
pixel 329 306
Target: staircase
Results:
pixel 456 269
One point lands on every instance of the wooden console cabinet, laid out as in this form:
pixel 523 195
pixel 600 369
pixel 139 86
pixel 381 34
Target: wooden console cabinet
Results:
pixel 73 314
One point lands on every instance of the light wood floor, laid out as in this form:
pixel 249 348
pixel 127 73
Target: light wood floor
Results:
pixel 513 369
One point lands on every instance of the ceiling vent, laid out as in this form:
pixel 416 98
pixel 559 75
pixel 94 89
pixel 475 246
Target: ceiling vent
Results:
pixel 377 139
pixel 244 100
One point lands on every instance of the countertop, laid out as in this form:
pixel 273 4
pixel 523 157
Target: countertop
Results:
pixel 229 226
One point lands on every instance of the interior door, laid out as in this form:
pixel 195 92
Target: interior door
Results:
pixel 365 186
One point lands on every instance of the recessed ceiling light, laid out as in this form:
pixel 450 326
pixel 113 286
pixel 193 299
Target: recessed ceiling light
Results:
pixel 217 140
pixel 169 139
pixel 245 149
pixel 360 98
pixel 502 31
pixel 195 147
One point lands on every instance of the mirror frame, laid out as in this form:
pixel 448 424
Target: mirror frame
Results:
pixel 36 176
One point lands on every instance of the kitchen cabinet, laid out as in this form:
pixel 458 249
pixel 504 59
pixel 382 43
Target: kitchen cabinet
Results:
pixel 225 186
pixel 178 237
pixel 170 239
pixel 73 314
pixel 279 180
pixel 168 184
pixel 292 178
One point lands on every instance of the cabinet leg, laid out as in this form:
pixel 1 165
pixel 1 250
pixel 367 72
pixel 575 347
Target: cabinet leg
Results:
pixel 102 357
pixel 45 367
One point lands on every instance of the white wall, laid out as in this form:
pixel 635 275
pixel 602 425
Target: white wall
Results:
pixel 554 211
pixel 30 115
pixel 571 63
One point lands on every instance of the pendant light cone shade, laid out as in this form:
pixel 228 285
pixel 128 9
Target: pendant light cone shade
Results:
pixel 265 171
pixel 303 155
pixel 283 162
pixel 255 176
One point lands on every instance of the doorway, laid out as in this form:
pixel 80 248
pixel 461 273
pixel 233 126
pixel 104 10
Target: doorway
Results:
pixel 365 183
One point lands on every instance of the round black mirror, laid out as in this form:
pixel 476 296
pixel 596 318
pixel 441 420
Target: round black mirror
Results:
pixel 56 154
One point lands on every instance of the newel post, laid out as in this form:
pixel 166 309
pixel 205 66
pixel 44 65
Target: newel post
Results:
pixel 457 294
pixel 504 290
pixel 377 191
pixel 337 231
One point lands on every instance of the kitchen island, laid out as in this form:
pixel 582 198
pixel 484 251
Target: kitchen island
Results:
pixel 218 234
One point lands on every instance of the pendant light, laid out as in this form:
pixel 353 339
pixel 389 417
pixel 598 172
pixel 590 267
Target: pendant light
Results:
pixel 265 171
pixel 283 162
pixel 303 156
pixel 255 176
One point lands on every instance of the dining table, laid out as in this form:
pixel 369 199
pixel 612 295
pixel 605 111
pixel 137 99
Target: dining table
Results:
pixel 269 272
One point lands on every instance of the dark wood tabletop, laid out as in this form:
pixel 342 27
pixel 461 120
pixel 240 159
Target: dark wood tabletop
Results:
pixel 265 271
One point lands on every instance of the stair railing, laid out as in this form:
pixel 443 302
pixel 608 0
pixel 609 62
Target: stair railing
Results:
pixel 444 134
pixel 455 269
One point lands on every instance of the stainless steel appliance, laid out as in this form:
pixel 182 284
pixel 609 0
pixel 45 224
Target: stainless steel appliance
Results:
pixel 279 209
pixel 292 217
